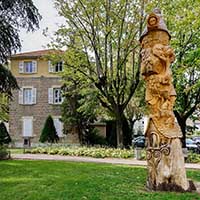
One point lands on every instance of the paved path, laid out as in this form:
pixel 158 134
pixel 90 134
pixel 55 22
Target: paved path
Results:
pixel 89 159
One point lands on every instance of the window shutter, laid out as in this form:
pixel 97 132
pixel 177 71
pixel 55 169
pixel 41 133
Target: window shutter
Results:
pixel 21 66
pixel 21 96
pixel 63 98
pixel 51 67
pixel 59 126
pixel 34 97
pixel 34 63
pixel 50 95
pixel 27 126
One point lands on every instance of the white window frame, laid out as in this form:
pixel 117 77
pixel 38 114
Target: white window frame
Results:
pixel 31 69
pixel 33 96
pixel 52 99
pixel 56 68
pixel 57 96
pixel 27 95
pixel 58 125
pixel 27 129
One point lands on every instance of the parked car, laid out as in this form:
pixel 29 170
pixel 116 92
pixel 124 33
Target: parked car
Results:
pixel 192 146
pixel 139 142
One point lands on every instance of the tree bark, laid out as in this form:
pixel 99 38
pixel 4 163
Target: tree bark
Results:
pixel 182 123
pixel 119 132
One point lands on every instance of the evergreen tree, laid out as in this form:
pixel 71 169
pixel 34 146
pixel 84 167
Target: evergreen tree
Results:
pixel 14 15
pixel 4 135
pixel 49 133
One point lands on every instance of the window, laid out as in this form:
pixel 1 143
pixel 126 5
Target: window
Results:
pixel 27 95
pixel 58 67
pixel 28 66
pixel 27 127
pixel 55 96
pixel 58 125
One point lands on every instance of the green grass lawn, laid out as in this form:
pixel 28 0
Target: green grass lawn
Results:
pixel 56 180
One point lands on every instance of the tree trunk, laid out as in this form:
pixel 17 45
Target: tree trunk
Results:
pixel 119 132
pixel 183 129
pixel 182 123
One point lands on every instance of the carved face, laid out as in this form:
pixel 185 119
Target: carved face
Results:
pixel 154 60
pixel 151 64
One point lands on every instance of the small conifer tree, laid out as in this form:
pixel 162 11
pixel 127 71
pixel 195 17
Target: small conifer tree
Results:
pixel 49 133
pixel 4 135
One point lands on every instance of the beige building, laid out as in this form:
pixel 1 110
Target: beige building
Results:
pixel 38 97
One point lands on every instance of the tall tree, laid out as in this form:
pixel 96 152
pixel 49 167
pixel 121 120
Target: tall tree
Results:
pixel 80 105
pixel 14 14
pixel 184 25
pixel 7 83
pixel 108 32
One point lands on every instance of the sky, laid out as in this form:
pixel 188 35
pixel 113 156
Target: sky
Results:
pixel 33 41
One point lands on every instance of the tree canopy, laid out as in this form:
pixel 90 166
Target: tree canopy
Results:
pixel 108 32
pixel 14 14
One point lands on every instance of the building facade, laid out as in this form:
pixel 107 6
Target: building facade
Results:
pixel 38 97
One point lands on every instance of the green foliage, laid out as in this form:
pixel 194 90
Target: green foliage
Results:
pixel 80 106
pixel 193 158
pixel 93 138
pixel 7 84
pixel 3 153
pixel 4 108
pixel 15 14
pixel 4 135
pixel 49 133
pixel 94 152
pixel 107 32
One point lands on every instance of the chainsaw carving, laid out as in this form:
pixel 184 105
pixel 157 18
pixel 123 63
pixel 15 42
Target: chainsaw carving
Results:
pixel 165 159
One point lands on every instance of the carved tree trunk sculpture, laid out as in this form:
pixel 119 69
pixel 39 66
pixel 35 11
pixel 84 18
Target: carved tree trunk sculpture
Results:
pixel 165 159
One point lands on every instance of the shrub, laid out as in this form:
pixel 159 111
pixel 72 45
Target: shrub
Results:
pixel 49 133
pixel 85 151
pixel 92 137
pixel 193 158
pixel 3 153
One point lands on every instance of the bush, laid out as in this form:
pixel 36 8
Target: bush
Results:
pixel 193 158
pixel 3 153
pixel 85 151
pixel 49 133
pixel 92 137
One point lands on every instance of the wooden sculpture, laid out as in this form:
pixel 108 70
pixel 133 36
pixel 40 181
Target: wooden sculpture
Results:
pixel 165 159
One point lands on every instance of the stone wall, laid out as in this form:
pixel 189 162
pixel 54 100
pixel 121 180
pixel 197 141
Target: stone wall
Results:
pixel 38 111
